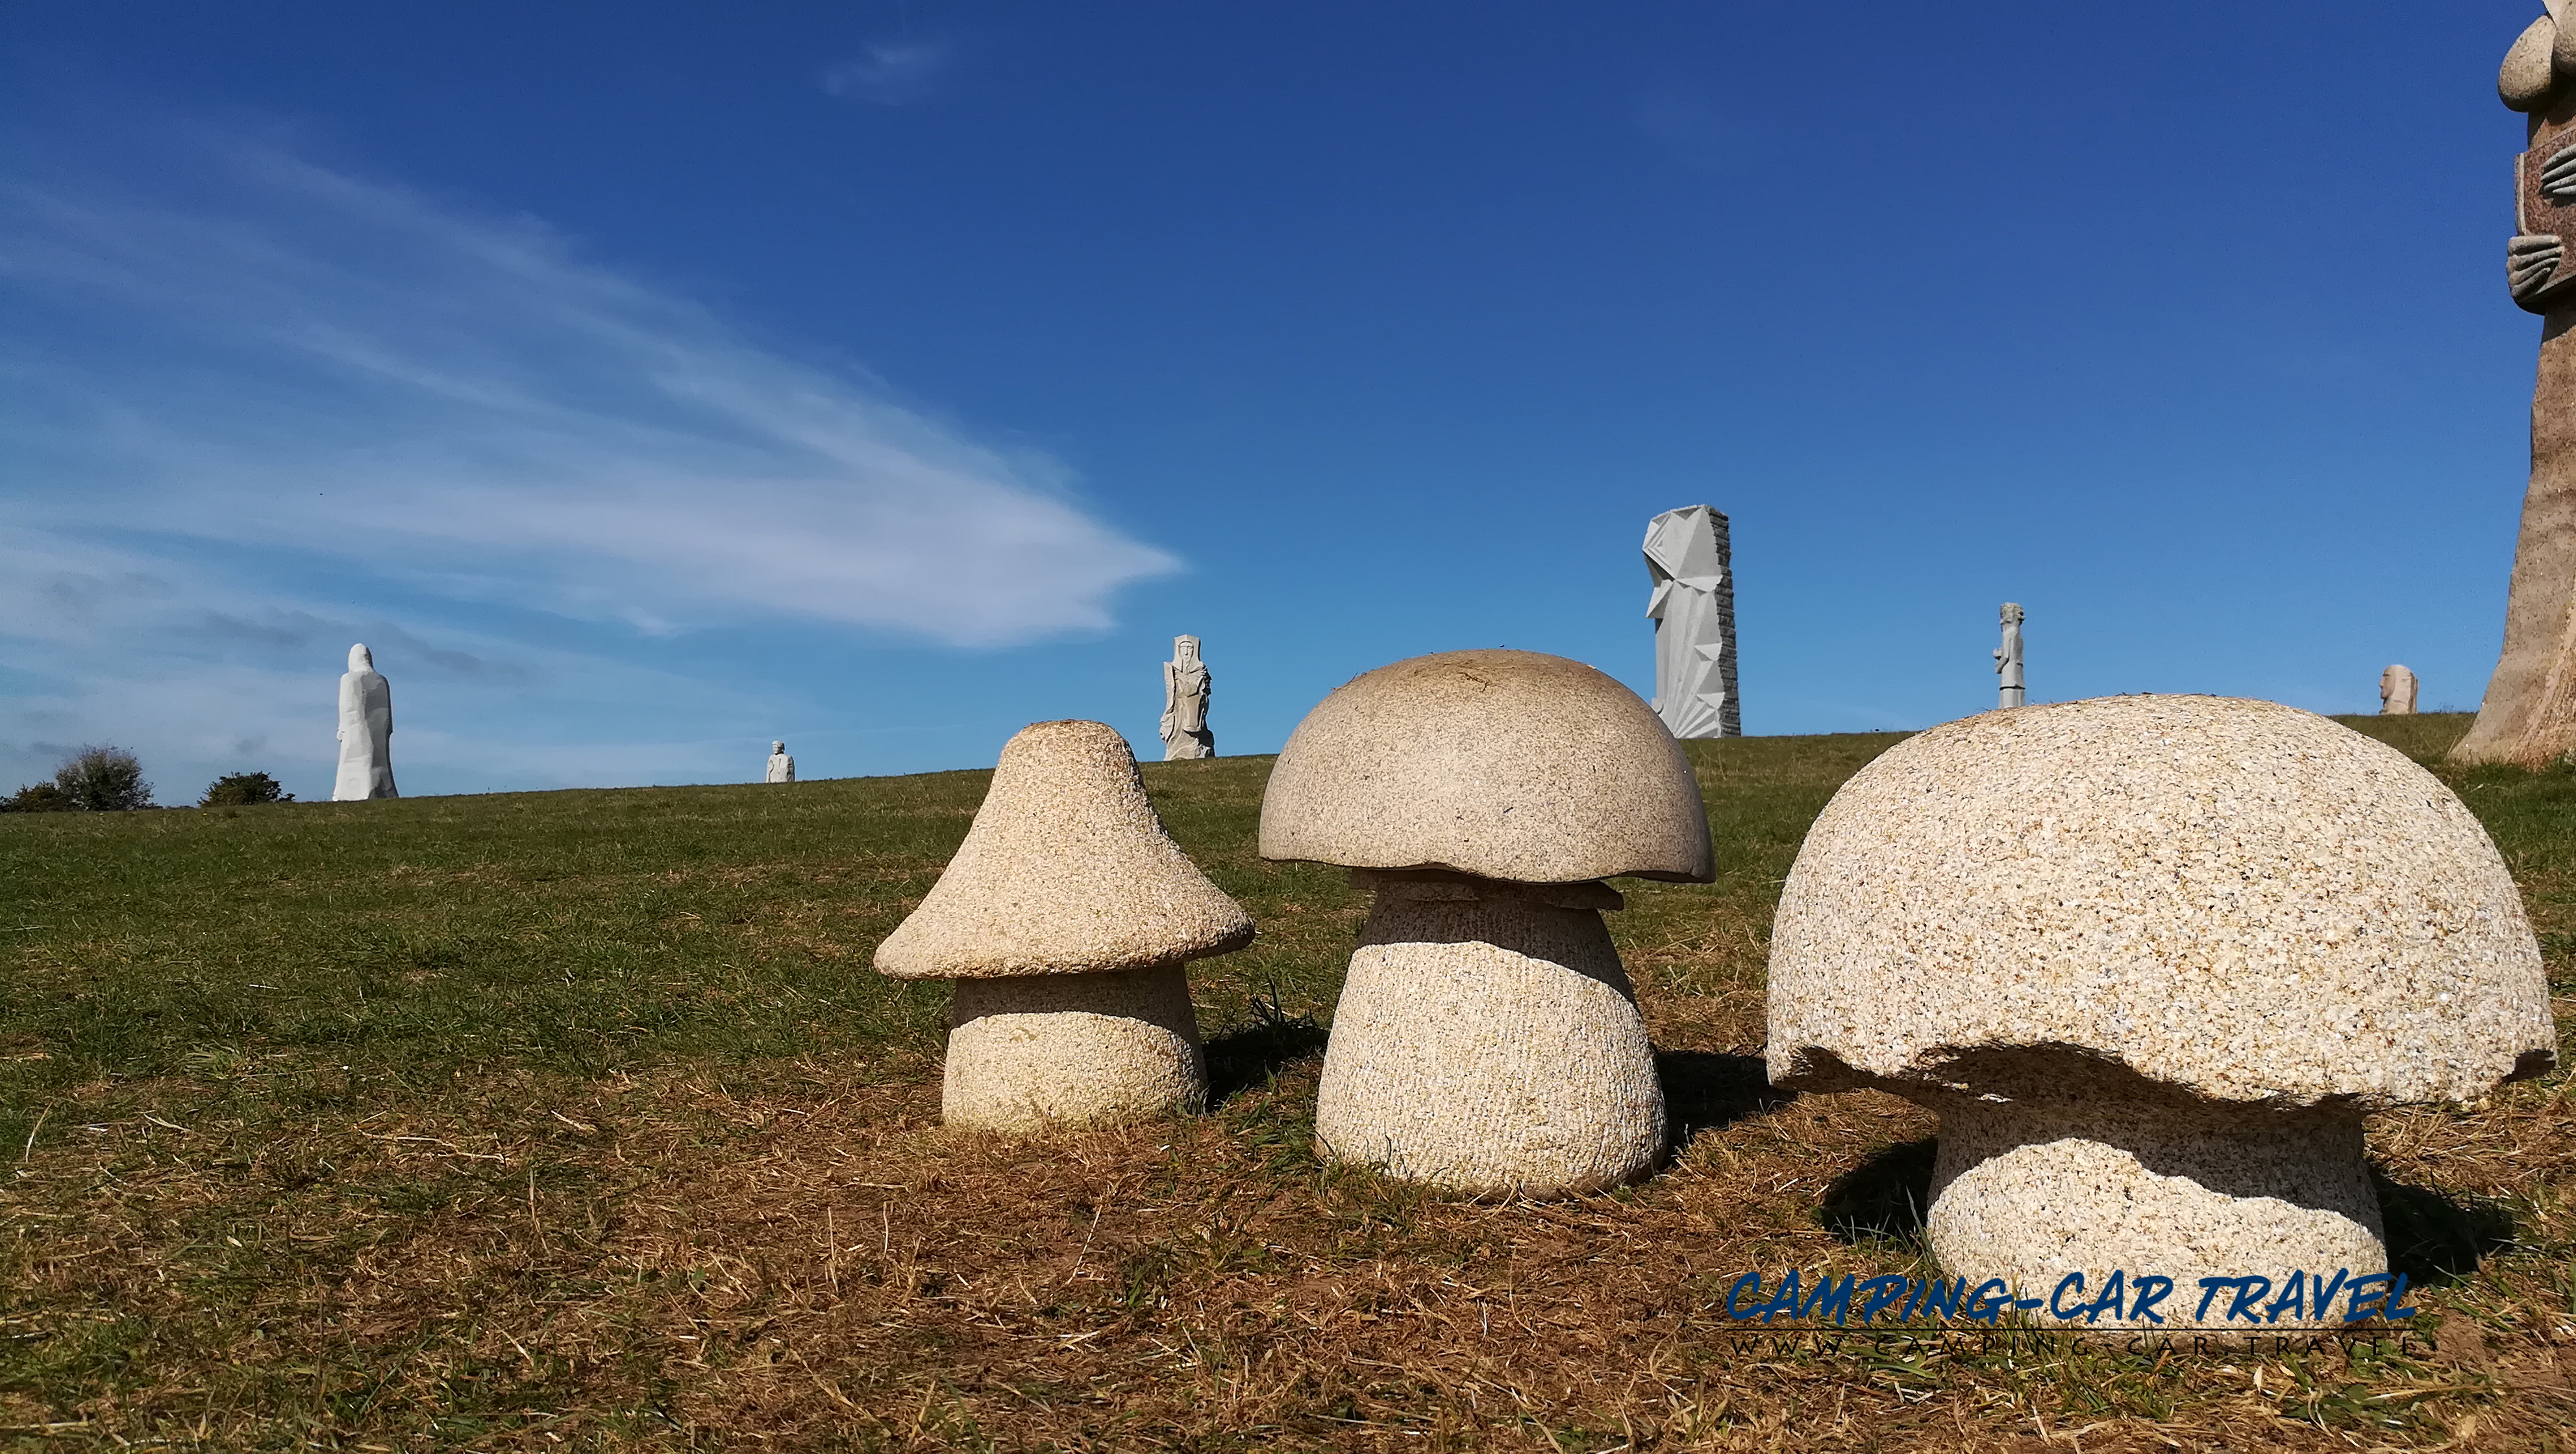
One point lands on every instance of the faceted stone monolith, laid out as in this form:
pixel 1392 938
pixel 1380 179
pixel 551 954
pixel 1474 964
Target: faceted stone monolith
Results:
pixel 2152 959
pixel 1185 703
pixel 2397 692
pixel 2008 682
pixel 782 768
pixel 366 732
pixel 2528 715
pixel 1693 608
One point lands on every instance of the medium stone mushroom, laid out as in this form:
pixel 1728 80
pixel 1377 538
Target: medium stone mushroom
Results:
pixel 1065 919
pixel 1487 1040
pixel 2152 959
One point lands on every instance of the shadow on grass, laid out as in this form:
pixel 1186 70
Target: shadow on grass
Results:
pixel 1883 1197
pixel 1705 1090
pixel 1252 1057
pixel 2433 1237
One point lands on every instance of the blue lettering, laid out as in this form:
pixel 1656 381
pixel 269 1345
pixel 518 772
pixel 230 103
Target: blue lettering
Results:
pixel 2293 1298
pixel 2209 1287
pixel 1829 1297
pixel 2074 1280
pixel 1944 1298
pixel 2249 1291
pixel 2114 1292
pixel 1786 1299
pixel 2355 1313
pixel 2151 1291
pixel 2396 1295
pixel 1979 1309
pixel 1878 1292
pixel 2321 1293
pixel 1755 1279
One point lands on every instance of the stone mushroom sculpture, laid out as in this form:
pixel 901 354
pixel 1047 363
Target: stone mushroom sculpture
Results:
pixel 1065 919
pixel 2152 959
pixel 1487 1040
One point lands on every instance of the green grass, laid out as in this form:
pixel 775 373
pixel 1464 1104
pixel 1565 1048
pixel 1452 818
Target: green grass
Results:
pixel 579 1120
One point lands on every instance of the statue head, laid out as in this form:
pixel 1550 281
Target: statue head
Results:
pixel 361 659
pixel 775 748
pixel 1185 649
pixel 2012 613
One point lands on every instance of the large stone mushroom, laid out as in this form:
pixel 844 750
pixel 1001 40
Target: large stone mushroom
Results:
pixel 1065 919
pixel 1487 1040
pixel 2152 959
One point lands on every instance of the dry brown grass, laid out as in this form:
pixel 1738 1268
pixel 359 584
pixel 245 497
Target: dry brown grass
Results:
pixel 265 1247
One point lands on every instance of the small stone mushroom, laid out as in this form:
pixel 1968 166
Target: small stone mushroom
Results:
pixel 2152 959
pixel 1487 1040
pixel 1065 919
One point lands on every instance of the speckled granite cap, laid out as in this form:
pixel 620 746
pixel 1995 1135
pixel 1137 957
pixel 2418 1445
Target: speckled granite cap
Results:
pixel 1504 764
pixel 1066 871
pixel 2235 900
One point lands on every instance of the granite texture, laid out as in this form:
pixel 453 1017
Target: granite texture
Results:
pixel 2031 1191
pixel 1503 764
pixel 2236 900
pixel 1039 1049
pixel 1487 1042
pixel 1066 871
pixel 2525 80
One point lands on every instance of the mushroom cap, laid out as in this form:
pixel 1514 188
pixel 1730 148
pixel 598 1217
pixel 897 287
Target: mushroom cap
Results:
pixel 1503 764
pixel 1066 871
pixel 2154 895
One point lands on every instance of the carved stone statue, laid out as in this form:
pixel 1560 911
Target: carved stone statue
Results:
pixel 2529 713
pixel 366 732
pixel 782 768
pixel 2008 683
pixel 1693 608
pixel 2397 692
pixel 1185 703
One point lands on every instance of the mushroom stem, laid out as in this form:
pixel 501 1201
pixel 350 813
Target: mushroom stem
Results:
pixel 2030 1191
pixel 1027 1050
pixel 1487 1041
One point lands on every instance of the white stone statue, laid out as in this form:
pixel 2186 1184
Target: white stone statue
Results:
pixel 2397 692
pixel 2008 691
pixel 1185 703
pixel 782 768
pixel 1693 609
pixel 366 732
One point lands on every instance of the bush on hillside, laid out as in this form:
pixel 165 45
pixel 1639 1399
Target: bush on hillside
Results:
pixel 103 780
pixel 38 798
pixel 235 789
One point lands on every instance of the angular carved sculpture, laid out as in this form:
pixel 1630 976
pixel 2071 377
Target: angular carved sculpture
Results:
pixel 1693 608
pixel 2397 692
pixel 2529 713
pixel 1186 688
pixel 2008 680
pixel 782 768
pixel 1487 1040
pixel 2152 959
pixel 1065 919
pixel 366 732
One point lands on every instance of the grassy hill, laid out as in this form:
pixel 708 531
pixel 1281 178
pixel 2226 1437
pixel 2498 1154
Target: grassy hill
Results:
pixel 578 1119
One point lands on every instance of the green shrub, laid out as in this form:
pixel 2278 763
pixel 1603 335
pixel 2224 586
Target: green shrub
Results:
pixel 103 780
pixel 235 789
pixel 38 798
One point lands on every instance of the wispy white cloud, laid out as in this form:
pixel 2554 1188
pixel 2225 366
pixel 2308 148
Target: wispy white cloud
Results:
pixel 893 73
pixel 339 366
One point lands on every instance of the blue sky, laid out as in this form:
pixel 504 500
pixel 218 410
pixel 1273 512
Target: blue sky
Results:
pixel 647 381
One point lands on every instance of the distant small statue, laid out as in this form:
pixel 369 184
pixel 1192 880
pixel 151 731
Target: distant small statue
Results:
pixel 2009 691
pixel 1690 563
pixel 2397 692
pixel 782 768
pixel 1185 703
pixel 366 732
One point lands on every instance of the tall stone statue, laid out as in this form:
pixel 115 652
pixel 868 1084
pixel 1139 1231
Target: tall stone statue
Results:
pixel 782 768
pixel 1693 608
pixel 2529 713
pixel 366 732
pixel 2008 683
pixel 2397 692
pixel 1185 703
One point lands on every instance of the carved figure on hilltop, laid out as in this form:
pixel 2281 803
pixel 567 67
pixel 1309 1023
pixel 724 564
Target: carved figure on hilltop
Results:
pixel 2008 683
pixel 1693 608
pixel 1186 687
pixel 366 732
pixel 782 768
